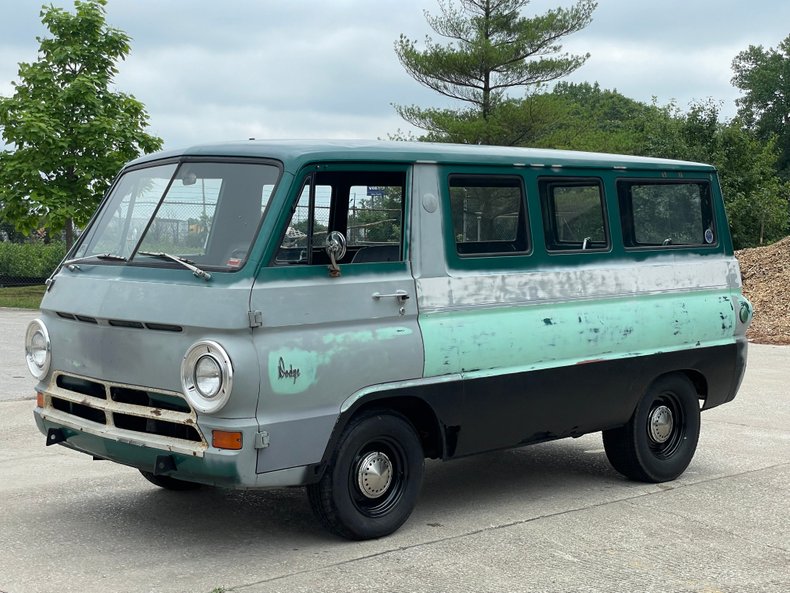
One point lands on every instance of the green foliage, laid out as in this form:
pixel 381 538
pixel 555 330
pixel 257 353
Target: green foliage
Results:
pixel 764 77
pixel 755 196
pixel 30 260
pixel 377 219
pixel 493 50
pixel 22 297
pixel 70 131
pixel 760 217
pixel 586 117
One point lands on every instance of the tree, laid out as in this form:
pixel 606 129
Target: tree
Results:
pixel 583 116
pixel 493 50
pixel 586 117
pixel 70 132
pixel 764 77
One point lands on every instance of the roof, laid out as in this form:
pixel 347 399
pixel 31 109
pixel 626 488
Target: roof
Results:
pixel 295 153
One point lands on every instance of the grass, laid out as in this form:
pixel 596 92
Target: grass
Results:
pixel 22 297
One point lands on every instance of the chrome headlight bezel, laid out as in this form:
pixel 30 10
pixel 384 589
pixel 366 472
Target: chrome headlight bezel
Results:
pixel 38 370
pixel 203 401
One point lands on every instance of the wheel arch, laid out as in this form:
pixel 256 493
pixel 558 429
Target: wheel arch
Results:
pixel 414 408
pixel 697 379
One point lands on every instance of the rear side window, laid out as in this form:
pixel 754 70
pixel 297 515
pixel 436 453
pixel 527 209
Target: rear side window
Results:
pixel 488 215
pixel 661 214
pixel 573 214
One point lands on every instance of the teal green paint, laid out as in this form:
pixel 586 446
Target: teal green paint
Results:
pixel 221 468
pixel 293 370
pixel 517 338
pixel 538 257
pixel 321 271
pixel 390 333
pixel 361 337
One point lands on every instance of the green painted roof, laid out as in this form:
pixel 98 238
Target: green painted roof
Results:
pixel 295 153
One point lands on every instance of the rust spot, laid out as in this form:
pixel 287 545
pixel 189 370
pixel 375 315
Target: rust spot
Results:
pixel 156 412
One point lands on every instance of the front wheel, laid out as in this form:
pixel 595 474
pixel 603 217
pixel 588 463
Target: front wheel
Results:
pixel 659 441
pixel 373 478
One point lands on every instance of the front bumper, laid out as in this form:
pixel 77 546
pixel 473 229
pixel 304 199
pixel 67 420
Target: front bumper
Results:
pixel 214 467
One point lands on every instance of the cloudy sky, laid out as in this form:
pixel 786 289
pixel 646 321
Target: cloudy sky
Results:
pixel 220 70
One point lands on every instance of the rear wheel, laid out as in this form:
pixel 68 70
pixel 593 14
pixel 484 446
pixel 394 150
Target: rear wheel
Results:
pixel 169 483
pixel 660 440
pixel 371 484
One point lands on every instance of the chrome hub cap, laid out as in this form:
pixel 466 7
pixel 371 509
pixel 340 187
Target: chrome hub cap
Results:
pixel 374 474
pixel 660 424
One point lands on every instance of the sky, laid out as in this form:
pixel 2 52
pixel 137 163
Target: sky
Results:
pixel 210 70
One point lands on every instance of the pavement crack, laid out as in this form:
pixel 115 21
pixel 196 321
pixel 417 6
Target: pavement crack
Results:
pixel 491 528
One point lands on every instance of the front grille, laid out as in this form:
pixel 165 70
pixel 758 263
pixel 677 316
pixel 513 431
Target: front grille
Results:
pixel 130 413
pixel 84 386
pixel 80 410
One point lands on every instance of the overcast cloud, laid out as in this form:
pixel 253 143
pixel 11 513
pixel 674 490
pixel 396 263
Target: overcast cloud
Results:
pixel 209 70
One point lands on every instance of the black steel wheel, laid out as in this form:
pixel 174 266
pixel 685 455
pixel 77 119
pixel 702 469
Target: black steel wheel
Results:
pixel 373 478
pixel 660 440
pixel 169 483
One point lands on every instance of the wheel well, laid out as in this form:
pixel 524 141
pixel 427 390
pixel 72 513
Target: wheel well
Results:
pixel 697 379
pixel 419 413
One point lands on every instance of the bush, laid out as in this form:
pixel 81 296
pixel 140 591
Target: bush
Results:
pixel 19 261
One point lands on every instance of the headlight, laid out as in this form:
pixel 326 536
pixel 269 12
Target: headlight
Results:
pixel 207 376
pixel 38 352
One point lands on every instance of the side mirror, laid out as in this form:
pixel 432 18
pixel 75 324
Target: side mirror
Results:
pixel 335 249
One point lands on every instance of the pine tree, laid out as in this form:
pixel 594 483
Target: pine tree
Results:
pixel 492 51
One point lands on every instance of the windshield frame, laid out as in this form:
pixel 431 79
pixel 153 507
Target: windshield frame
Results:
pixel 179 162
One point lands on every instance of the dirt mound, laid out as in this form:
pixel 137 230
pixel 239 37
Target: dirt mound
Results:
pixel 766 283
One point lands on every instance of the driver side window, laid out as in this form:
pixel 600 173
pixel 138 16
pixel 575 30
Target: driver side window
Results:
pixel 366 206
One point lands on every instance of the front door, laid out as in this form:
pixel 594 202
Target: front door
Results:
pixel 330 329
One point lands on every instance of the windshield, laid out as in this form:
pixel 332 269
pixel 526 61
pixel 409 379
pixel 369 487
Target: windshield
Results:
pixel 206 213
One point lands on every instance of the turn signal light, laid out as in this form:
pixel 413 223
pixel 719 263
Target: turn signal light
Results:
pixel 39 399
pixel 222 439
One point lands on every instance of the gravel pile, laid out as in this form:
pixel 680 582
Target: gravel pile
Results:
pixel 766 283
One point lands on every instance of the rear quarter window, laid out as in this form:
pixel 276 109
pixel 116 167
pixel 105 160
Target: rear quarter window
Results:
pixel 666 214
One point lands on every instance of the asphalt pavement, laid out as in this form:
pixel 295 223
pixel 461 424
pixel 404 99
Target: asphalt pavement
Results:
pixel 548 518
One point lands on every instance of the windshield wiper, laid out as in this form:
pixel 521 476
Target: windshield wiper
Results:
pixel 180 260
pixel 69 263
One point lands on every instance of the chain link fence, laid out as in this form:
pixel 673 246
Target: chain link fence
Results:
pixel 30 263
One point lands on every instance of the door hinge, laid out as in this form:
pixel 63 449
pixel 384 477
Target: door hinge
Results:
pixel 261 440
pixel 255 318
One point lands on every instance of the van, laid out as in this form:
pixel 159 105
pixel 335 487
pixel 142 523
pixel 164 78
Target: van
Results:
pixel 330 314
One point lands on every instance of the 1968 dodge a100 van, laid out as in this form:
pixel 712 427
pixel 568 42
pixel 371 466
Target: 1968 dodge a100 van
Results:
pixel 329 314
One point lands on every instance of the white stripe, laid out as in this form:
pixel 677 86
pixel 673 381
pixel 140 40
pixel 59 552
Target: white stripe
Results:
pixel 671 273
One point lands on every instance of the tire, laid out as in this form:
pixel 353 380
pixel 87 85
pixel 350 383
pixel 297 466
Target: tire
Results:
pixel 373 478
pixel 169 483
pixel 659 441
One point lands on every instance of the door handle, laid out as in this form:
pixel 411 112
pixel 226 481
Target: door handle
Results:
pixel 401 295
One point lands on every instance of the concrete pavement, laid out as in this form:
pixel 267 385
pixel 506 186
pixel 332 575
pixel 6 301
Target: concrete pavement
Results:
pixel 15 379
pixel 552 517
